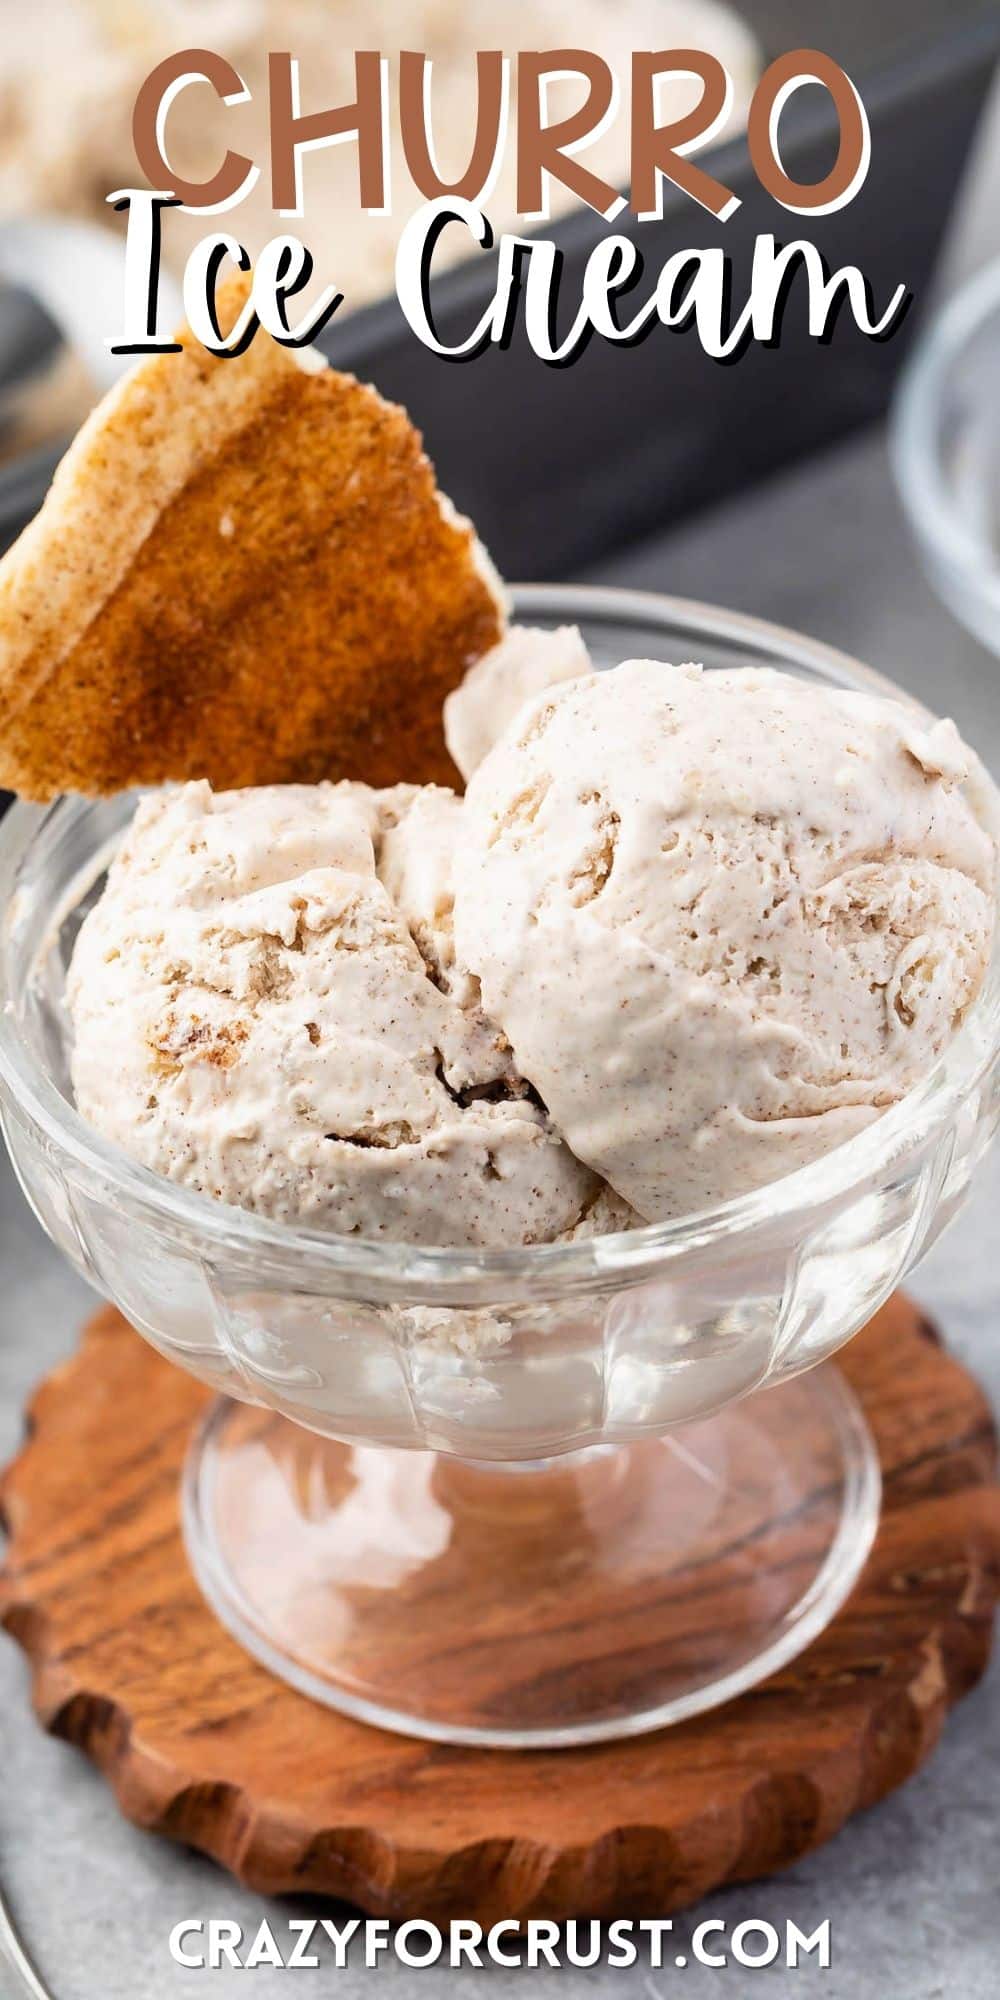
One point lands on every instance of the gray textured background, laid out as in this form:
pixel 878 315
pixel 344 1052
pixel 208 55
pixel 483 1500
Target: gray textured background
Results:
pixel 911 1888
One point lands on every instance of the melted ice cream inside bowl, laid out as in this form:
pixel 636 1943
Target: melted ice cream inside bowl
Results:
pixel 562 1466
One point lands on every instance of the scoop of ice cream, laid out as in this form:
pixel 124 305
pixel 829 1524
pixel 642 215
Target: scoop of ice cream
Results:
pixel 255 1018
pixel 724 919
pixel 523 663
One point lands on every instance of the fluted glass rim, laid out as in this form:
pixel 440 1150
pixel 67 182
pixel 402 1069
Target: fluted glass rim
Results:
pixel 312 1258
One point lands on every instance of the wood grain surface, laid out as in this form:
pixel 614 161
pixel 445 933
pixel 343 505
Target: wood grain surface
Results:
pixel 200 1743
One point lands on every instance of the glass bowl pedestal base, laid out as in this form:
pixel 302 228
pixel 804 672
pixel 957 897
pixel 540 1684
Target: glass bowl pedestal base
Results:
pixel 541 1603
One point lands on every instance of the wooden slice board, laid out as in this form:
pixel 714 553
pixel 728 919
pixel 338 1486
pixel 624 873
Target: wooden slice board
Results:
pixel 201 1744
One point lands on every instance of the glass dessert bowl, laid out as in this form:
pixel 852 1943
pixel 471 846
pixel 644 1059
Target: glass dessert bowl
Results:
pixel 513 1497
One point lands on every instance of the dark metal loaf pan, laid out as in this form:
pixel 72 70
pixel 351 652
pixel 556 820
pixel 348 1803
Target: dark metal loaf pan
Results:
pixel 557 465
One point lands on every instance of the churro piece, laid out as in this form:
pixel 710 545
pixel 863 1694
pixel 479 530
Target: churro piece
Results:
pixel 243 572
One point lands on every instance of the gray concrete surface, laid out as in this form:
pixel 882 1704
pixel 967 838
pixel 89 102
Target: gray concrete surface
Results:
pixel 911 1888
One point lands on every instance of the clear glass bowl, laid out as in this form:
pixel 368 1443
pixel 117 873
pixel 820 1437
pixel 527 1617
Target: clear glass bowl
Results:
pixel 945 444
pixel 486 1497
